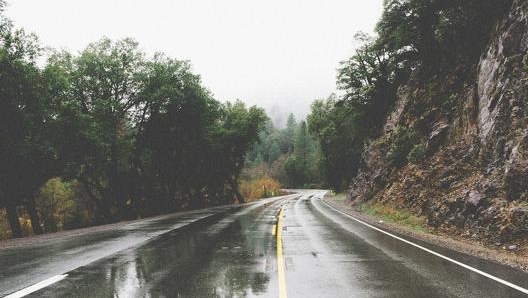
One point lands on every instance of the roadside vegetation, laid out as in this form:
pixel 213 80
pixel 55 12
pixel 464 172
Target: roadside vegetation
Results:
pixel 385 212
pixel 110 134
pixel 290 156
pixel 264 187
pixel 416 43
pixel 391 214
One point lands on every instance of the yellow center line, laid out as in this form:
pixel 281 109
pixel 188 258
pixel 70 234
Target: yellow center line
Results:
pixel 280 259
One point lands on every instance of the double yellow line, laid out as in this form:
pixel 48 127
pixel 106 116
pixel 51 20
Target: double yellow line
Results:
pixel 277 231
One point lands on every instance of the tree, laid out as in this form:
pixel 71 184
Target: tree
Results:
pixel 341 134
pixel 174 139
pixel 438 35
pixel 137 135
pixel 369 80
pixel 27 156
pixel 97 116
pixel 301 166
pixel 289 133
pixel 57 205
pixel 236 131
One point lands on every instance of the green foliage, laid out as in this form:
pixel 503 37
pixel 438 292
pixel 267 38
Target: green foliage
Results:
pixel 57 205
pixel 438 35
pixel 99 92
pixel 417 154
pixel 401 142
pixel 137 135
pixel 340 132
pixel 301 166
pixel 369 80
pixel 236 131
pixel 27 155
pixel 394 215
pixel 136 128
pixel 288 155
pixel 140 135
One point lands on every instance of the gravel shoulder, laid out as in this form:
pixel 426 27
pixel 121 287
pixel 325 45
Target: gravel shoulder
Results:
pixel 515 259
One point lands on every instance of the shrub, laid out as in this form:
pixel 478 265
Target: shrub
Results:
pixel 417 153
pixel 57 205
pixel 402 141
pixel 259 188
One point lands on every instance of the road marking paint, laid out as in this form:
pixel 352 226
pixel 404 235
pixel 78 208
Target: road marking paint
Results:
pixel 497 279
pixel 280 258
pixel 37 286
pixel 274 230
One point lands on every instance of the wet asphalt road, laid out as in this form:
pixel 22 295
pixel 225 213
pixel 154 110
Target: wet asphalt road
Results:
pixel 231 252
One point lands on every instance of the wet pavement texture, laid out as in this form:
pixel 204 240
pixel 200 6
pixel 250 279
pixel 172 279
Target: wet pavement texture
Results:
pixel 328 255
pixel 229 257
pixel 231 252
pixel 23 266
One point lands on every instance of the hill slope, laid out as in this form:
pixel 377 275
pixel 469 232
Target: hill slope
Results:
pixel 467 146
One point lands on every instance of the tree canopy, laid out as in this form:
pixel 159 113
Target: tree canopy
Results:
pixel 135 135
pixel 130 135
pixel 417 42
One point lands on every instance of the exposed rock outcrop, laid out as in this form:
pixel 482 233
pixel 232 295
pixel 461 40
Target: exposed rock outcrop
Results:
pixel 474 178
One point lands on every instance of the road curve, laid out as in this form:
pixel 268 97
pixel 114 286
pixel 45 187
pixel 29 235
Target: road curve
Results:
pixel 330 255
pixel 232 252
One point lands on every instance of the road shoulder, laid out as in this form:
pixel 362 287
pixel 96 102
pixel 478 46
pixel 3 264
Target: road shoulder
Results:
pixel 474 249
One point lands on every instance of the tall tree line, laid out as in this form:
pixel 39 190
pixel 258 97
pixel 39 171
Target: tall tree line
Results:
pixel 417 43
pixel 139 135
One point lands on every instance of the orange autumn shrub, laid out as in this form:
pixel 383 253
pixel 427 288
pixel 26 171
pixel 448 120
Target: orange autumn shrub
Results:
pixel 263 187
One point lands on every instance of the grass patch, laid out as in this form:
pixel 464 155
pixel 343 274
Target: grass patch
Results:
pixel 340 197
pixel 390 214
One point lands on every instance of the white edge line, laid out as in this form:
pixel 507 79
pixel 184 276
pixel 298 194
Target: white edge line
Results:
pixel 502 281
pixel 37 286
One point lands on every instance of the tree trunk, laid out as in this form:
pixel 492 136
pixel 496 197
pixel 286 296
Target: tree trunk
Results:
pixel 238 195
pixel 14 223
pixel 102 210
pixel 115 182
pixel 33 215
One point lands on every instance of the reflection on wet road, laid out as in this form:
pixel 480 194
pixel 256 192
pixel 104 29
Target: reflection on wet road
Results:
pixel 232 253
pixel 329 255
pixel 231 257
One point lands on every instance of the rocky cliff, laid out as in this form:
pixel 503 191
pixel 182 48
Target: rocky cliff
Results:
pixel 465 149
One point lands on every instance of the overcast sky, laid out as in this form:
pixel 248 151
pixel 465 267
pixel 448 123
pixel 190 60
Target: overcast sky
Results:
pixel 278 54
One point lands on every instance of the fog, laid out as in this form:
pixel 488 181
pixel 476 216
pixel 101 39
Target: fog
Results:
pixel 277 54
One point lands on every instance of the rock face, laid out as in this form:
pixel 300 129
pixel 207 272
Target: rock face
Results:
pixel 474 179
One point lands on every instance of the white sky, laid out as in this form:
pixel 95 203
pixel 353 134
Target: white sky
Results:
pixel 277 54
